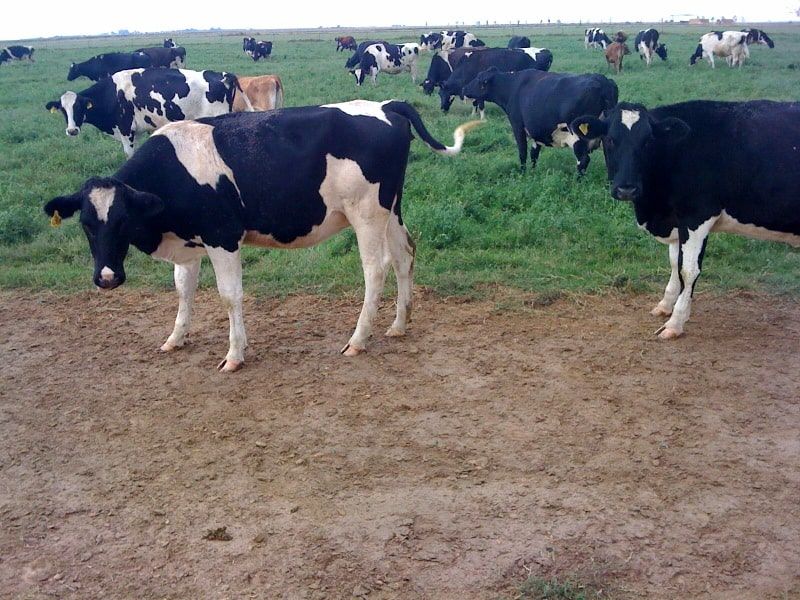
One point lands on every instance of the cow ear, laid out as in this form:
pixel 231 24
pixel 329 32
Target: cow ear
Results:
pixel 589 127
pixel 53 106
pixel 671 130
pixel 89 105
pixel 143 203
pixel 63 207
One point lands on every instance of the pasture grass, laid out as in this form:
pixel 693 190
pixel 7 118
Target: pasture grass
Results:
pixel 477 220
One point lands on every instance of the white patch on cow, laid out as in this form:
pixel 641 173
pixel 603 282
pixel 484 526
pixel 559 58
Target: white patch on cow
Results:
pixel 563 137
pixel 174 249
pixel 102 199
pixel 728 224
pixel 68 100
pixel 629 118
pixel 106 274
pixel 196 151
pixel 362 108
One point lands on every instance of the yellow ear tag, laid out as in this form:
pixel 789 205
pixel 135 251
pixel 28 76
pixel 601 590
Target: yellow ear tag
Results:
pixel 584 127
pixel 55 220
pixel 54 110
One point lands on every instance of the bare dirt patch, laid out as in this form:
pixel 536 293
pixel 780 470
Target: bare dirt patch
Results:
pixel 499 438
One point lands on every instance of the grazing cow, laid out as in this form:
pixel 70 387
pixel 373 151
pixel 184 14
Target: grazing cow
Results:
pixel 345 42
pixel 448 40
pixel 262 50
pixel 474 63
pixel 442 65
pixel 105 65
pixel 264 92
pixel 732 45
pixel 614 54
pixel 701 166
pixel 138 100
pixel 542 105
pixel 647 45
pixel 758 36
pixel 595 38
pixel 168 43
pixel 355 59
pixel 172 58
pixel 305 174
pixel 387 58
pixel 519 41
pixel 16 53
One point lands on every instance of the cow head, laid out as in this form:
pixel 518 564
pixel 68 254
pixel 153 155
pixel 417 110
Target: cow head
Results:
pixel 74 72
pixel 630 136
pixel 661 50
pixel 75 109
pixel 168 43
pixel 110 213
pixel 480 87
pixel 427 87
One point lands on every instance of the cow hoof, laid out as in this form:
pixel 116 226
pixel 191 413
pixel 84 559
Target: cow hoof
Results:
pixel 229 366
pixel 351 350
pixel 170 347
pixel 659 311
pixel 668 333
pixel 395 332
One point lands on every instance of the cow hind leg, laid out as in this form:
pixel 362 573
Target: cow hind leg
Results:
pixel 402 250
pixel 371 233
pixel 692 245
pixel 186 277
pixel 581 150
pixel 667 303
pixel 228 272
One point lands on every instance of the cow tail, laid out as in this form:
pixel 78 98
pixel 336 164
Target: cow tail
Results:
pixel 237 86
pixel 278 93
pixel 409 112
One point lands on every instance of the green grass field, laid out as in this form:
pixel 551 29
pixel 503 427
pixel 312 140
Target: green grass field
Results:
pixel 478 222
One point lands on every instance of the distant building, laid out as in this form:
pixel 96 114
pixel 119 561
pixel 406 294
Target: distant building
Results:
pixel 698 21
pixel 724 21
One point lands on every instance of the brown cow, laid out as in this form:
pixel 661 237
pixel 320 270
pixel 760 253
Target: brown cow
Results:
pixel 614 54
pixel 265 92
pixel 345 42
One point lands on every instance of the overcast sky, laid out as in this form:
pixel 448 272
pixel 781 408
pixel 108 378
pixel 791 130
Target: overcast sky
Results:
pixel 45 18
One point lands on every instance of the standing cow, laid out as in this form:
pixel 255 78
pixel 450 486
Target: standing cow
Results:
pixel 615 53
pixel 758 36
pixel 595 38
pixel 387 58
pixel 442 65
pixel 647 45
pixel 448 40
pixel 138 100
pixel 306 174
pixel 731 45
pixel 701 166
pixel 542 105
pixel 345 42
pixel 172 58
pixel 261 92
pixel 16 53
pixel 105 65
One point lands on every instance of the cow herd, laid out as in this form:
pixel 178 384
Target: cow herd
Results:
pixel 215 176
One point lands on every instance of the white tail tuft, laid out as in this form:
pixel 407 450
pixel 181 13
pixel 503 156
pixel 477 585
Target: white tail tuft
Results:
pixel 458 138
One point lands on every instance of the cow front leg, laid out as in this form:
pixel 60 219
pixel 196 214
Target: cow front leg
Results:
pixel 535 151
pixel 522 146
pixel 667 303
pixel 692 245
pixel 186 277
pixel 228 272
pixel 402 250
pixel 375 258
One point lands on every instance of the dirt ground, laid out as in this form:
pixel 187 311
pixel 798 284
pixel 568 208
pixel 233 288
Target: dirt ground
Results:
pixel 500 438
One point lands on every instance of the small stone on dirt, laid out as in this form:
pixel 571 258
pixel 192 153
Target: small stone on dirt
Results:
pixel 220 534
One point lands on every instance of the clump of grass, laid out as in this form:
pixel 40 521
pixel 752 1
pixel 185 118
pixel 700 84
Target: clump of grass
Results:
pixel 539 588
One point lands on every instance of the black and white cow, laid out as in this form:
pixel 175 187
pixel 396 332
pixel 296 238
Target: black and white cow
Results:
pixel 542 56
pixel 595 38
pixel 647 45
pixel 137 100
pixel 168 43
pixel 172 58
pixel 702 166
pixel 287 179
pixel 104 65
pixel 731 45
pixel 475 62
pixel 758 36
pixel 519 41
pixel 355 58
pixel 541 106
pixel 248 45
pixel 448 40
pixel 442 65
pixel 256 50
pixel 387 58
pixel 16 53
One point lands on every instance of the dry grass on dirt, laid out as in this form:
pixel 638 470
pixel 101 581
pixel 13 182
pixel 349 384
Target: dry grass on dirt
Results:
pixel 498 439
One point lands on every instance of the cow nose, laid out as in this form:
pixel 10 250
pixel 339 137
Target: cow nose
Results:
pixel 73 131
pixel 625 192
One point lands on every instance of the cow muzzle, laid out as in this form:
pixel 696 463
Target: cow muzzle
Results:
pixel 626 192
pixel 73 131
pixel 108 279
